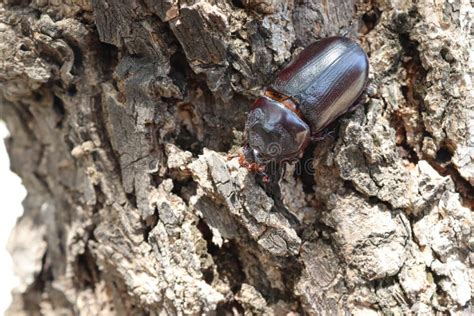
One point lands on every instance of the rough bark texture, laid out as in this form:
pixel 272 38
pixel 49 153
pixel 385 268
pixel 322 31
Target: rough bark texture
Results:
pixel 121 116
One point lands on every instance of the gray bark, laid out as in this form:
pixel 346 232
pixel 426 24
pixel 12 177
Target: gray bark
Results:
pixel 121 116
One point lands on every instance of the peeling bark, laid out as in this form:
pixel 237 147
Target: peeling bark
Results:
pixel 122 114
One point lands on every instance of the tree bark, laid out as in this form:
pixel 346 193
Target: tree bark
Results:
pixel 122 114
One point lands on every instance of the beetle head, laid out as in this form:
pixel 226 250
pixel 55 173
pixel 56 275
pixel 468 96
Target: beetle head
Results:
pixel 274 133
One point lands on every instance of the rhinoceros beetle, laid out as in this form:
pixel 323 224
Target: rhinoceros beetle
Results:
pixel 323 82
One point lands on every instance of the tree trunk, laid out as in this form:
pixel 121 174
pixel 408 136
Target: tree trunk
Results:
pixel 122 114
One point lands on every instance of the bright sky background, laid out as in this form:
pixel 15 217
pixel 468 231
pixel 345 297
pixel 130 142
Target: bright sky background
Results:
pixel 12 193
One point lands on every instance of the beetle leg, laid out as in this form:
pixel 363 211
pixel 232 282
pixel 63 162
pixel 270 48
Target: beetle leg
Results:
pixel 231 156
pixel 370 90
pixel 328 132
pixel 347 32
pixel 251 167
pixel 242 161
pixel 354 106
pixel 364 98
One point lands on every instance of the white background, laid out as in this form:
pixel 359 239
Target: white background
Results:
pixel 11 195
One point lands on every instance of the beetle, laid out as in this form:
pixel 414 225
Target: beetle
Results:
pixel 323 82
